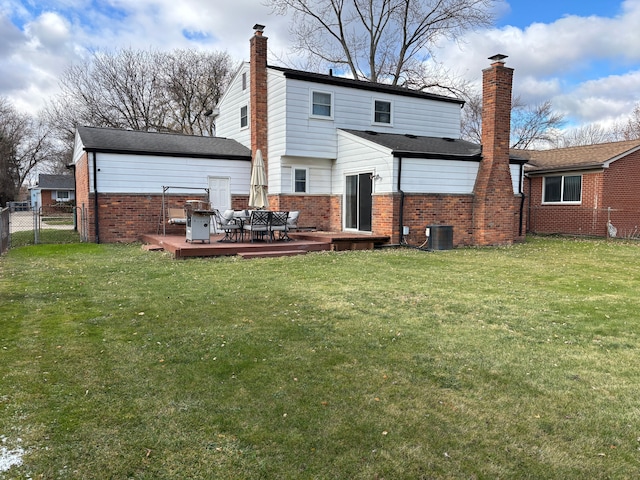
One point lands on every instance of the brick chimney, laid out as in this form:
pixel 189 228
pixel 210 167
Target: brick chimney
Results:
pixel 258 93
pixel 494 201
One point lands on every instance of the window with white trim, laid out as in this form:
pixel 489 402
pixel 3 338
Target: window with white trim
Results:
pixel 321 104
pixel 62 195
pixel 382 112
pixel 244 117
pixel 300 180
pixel 244 81
pixel 562 189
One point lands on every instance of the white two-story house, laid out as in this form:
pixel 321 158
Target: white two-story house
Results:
pixel 371 158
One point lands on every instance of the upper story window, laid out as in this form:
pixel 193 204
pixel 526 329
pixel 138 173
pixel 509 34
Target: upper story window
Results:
pixel 244 117
pixel 322 104
pixel 244 81
pixel 300 176
pixel 382 112
pixel 562 189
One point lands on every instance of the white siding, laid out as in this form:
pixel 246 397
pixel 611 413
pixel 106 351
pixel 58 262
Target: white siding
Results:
pixel 228 121
pixel 319 175
pixel 515 177
pixel 360 156
pixel 353 109
pixel 422 175
pixel 120 173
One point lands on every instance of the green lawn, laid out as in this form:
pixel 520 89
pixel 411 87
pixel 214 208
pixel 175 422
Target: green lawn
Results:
pixel 519 362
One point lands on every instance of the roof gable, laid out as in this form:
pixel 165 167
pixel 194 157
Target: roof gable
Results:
pixel 111 140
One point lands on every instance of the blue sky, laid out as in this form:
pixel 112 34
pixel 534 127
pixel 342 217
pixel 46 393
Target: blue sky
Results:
pixel 583 55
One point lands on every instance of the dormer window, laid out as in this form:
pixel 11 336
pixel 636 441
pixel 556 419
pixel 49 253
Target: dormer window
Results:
pixel 382 112
pixel 321 104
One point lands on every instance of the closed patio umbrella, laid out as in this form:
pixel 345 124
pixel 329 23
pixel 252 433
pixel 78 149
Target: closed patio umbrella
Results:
pixel 258 191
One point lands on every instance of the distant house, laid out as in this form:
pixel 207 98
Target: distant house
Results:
pixel 53 190
pixel 120 175
pixel 581 190
pixel 373 158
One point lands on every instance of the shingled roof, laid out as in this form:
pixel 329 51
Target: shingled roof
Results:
pixel 576 158
pixel 111 140
pixel 363 85
pixel 422 146
pixel 56 182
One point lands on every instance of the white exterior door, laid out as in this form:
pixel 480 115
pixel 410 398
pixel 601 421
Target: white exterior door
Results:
pixel 219 194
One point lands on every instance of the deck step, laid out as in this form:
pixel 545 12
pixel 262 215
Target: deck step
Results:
pixel 271 253
pixel 152 248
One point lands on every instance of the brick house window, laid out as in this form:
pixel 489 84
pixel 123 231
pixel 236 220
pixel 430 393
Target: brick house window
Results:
pixel 321 104
pixel 62 195
pixel 244 117
pixel 382 112
pixel 562 189
pixel 300 176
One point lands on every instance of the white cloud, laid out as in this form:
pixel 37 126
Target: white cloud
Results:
pixel 558 61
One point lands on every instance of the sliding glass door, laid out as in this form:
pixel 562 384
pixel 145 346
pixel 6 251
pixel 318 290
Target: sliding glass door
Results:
pixel 358 202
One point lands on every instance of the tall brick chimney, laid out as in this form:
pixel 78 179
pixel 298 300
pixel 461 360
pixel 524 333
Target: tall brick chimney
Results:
pixel 494 202
pixel 258 93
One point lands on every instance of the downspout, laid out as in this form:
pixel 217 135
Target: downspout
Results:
pixel 401 217
pixel 522 197
pixel 95 198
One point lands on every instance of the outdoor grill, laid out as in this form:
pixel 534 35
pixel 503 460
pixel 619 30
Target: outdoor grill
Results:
pixel 198 214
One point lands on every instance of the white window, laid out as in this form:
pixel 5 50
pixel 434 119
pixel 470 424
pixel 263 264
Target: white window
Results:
pixel 562 189
pixel 300 180
pixel 382 112
pixel 244 81
pixel 62 195
pixel 244 117
pixel 321 104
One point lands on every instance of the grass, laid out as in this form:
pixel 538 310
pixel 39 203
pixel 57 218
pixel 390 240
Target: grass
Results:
pixel 516 362
pixel 24 238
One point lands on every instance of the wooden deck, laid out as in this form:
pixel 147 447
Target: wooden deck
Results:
pixel 300 243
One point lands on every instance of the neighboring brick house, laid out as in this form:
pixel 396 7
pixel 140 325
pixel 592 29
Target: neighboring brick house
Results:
pixel 579 190
pixel 374 158
pixel 53 190
pixel 122 179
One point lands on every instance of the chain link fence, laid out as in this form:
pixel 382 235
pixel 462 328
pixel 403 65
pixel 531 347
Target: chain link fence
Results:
pixel 21 225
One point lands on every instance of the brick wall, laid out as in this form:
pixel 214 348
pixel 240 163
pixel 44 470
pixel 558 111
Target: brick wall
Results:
pixel 258 96
pixel 493 205
pixel 317 211
pixel 611 194
pixel 86 228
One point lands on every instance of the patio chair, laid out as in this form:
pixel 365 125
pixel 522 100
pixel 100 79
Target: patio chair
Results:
pixel 258 224
pixel 279 224
pixel 292 221
pixel 225 223
pixel 177 216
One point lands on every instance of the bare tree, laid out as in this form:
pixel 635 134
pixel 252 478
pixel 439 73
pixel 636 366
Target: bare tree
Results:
pixel 24 144
pixel 536 125
pixel 193 83
pixel 631 130
pixel 379 40
pixel 141 90
pixel 590 134
pixel 531 125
